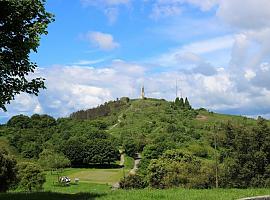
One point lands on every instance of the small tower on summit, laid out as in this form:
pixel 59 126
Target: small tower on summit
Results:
pixel 142 92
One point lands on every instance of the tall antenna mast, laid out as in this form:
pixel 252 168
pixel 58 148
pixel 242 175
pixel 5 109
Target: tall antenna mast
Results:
pixel 176 89
pixel 180 89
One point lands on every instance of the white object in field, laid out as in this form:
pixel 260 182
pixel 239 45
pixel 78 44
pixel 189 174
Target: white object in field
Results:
pixel 77 180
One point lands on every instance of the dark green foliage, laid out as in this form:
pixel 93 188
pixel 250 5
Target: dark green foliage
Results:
pixel 31 177
pixel 30 150
pixel 178 168
pixel 247 159
pixel 8 171
pixel 186 104
pixel 19 121
pixel 179 103
pixel 42 121
pixel 100 151
pixel 130 147
pixel 133 182
pixel 153 151
pixel 50 160
pixel 97 151
pixel 100 111
pixel 74 150
pixel 22 23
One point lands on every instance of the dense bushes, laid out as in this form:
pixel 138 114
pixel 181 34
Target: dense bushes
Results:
pixel 31 177
pixel 247 161
pixel 177 168
pixel 8 171
pixel 133 181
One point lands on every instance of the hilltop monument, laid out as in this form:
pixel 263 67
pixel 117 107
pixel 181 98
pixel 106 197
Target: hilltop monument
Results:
pixel 142 92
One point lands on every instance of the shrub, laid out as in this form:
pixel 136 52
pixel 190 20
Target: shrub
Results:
pixel 133 182
pixel 8 171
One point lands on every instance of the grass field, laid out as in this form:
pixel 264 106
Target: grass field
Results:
pixel 171 194
pixel 91 180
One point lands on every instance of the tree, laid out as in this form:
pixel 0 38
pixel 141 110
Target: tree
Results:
pixel 8 171
pixel 50 160
pixel 100 151
pixel 130 147
pixel 22 22
pixel 74 149
pixel 19 121
pixel 179 103
pixel 31 176
pixel 186 104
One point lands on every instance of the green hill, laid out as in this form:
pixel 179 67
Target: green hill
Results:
pixel 179 146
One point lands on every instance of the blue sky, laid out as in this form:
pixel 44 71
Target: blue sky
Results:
pixel 98 50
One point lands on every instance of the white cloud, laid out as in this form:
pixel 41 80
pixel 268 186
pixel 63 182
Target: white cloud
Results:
pixel 109 7
pixel 104 2
pixel 249 74
pixel 194 52
pixel 160 11
pixel 88 62
pixel 245 14
pixel 210 45
pixel 101 40
pixel 81 87
pixel 169 8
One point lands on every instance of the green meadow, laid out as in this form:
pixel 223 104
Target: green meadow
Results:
pixel 145 194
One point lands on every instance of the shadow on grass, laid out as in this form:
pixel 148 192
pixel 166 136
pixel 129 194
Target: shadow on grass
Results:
pixel 49 196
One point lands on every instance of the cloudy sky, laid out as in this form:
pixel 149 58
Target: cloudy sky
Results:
pixel 98 50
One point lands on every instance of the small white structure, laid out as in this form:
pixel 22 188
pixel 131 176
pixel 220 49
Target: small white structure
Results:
pixel 142 92
pixel 77 180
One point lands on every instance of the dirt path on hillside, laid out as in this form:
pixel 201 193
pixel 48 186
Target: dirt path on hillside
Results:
pixel 132 171
pixel 136 164
pixel 201 117
pixel 122 160
pixel 118 121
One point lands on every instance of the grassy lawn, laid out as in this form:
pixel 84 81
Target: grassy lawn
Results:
pixel 178 194
pixel 91 180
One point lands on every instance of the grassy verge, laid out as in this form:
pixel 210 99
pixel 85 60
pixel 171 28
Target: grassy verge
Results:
pixel 177 194
pixel 182 194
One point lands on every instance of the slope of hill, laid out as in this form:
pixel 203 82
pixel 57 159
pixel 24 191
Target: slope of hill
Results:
pixel 180 146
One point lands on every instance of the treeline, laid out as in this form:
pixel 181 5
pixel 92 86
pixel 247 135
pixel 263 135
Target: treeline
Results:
pixel 102 110
pixel 81 142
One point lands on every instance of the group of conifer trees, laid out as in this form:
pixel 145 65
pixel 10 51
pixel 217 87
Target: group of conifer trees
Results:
pixel 182 104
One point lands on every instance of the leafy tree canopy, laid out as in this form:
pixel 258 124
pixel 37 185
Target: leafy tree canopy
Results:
pixel 22 22
pixel 8 171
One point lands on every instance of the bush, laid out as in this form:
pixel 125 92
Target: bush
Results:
pixel 133 182
pixel 31 177
pixel 8 171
